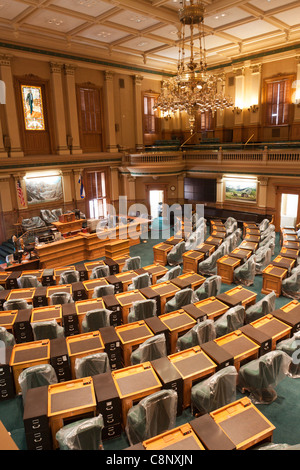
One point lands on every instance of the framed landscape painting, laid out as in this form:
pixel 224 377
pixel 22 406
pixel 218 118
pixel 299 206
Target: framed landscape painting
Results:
pixel 32 101
pixel 241 190
pixel 46 189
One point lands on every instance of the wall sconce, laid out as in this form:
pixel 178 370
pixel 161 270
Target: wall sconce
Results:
pixel 237 110
pixel 253 108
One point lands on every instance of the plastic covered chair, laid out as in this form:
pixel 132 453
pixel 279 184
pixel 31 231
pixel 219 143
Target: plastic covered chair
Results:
pixel 57 212
pixel 201 333
pixel 131 264
pixel 195 238
pixel 152 416
pixel 27 280
pixel 16 304
pixel 91 365
pixel 99 271
pixel 261 308
pixel 181 298
pixel 263 258
pixel 32 223
pixel 100 291
pixel 141 310
pixel 170 274
pixel 260 376
pixel 6 338
pixel 85 434
pixel 47 330
pixel 291 346
pixel 96 319
pixel 245 273
pixel 69 277
pixel 264 224
pixel 48 217
pixel 290 287
pixel 231 320
pixel 36 376
pixel 138 282
pixel 211 287
pixel 273 446
pixel 151 349
pixel 231 225
pixel 174 257
pixel 209 265
pixel 269 231
pixel 216 391
pixel 60 298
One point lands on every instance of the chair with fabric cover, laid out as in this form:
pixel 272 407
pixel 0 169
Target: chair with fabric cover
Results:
pixel 16 304
pixel 172 273
pixel 260 376
pixel 230 321
pixel 152 416
pixel 47 330
pixel 6 338
pixel 85 434
pixel 99 271
pixel 290 287
pixel 261 308
pixel 36 376
pixel 214 392
pixel 69 277
pixel 174 257
pixel 202 332
pixel 48 217
pixel 151 349
pixel 131 264
pixel 180 299
pixel 60 298
pixel 138 282
pixel 141 310
pixel 245 273
pixel 91 365
pixel 96 319
pixel 211 287
pixel 231 225
pixel 263 258
pixel 291 346
pixel 100 291
pixel 27 280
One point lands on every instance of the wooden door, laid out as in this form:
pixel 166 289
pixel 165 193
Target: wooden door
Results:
pixel 89 102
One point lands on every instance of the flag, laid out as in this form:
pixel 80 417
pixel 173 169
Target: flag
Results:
pixel 20 193
pixel 82 190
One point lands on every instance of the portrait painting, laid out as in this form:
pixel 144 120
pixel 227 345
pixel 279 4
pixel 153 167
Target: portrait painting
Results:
pixel 33 108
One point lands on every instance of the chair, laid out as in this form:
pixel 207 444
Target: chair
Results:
pixel 69 277
pixel 216 391
pixel 36 376
pixel 99 271
pixel 290 286
pixel 1 288
pixel 48 217
pixel 209 265
pixel 181 298
pixel 152 416
pixel 85 434
pixel 261 308
pixel 263 258
pixel 142 309
pixel 245 273
pixel 27 280
pixel 60 298
pixel 151 349
pixel 202 332
pixel 96 319
pixel 231 320
pixel 270 230
pixel 6 338
pixel 100 291
pixel 17 304
pixel 170 274
pixel 32 223
pixel 132 263
pixel 91 365
pixel 138 282
pixel 263 225
pixel 211 287
pixel 230 225
pixel 174 257
pixel 291 347
pixel 47 330
pixel 260 376
pixel 57 213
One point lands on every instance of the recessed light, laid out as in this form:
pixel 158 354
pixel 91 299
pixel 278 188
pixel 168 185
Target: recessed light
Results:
pixel 143 43
pixel 55 21
pixel 104 34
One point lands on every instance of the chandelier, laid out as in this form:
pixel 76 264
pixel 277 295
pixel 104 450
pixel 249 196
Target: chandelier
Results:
pixel 193 89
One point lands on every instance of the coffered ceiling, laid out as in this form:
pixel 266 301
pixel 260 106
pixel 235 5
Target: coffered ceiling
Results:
pixel 145 32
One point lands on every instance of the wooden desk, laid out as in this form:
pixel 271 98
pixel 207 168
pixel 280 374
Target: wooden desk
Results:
pixel 6 441
pixel 289 237
pixel 126 279
pixel 273 327
pixel 243 423
pixel 191 259
pixel 188 280
pixel 253 231
pixel 7 319
pixel 282 262
pixel 131 336
pixel 4 275
pixel 292 245
pixel 180 438
pixel 238 296
pixel 192 364
pixel 121 260
pixel 71 226
pixel 246 245
pixel 91 284
pixel 289 314
pixel 93 264
pixel 242 348
pixel 225 268
pixel 288 253
pixel 70 401
pixel 166 291
pixel 272 279
pixel 240 254
pixel 217 223
pixel 55 289
pixel 214 241
pixel 26 264
pixel 252 238
pixel 211 308
pixel 28 354
pixel 134 383
pixel 174 241
pixel 126 300
pixel 38 273
pixel 117 248
pixel 178 323
pixel 249 226
pixel 160 252
pixel 84 306
pixel 156 271
pixel 218 234
pixel 59 271
pixel 53 312
pixel 26 294
pixel 83 345
pixel 205 248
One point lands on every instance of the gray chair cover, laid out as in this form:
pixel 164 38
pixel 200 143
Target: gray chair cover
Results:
pixel 261 308
pixel 28 280
pixel 60 298
pixel 211 287
pixel 170 274
pixel 6 338
pixel 18 304
pixel 142 309
pixel 245 273
pixel 96 319
pixel 132 263
pixel 230 321
pixel 57 213
pixel 101 291
pixel 138 282
pixel 47 330
pixel 209 265
pixel 181 298
pixel 48 217
pixel 269 231
pixel 91 365
pixel 263 258
pixel 36 376
pixel 151 349
pixel 230 225
pixel 85 434
pixel 32 223
pixel 290 286
pixel 291 347
pixel 69 277
pixel 264 224
pixel 201 333
pixel 174 257
pixel 99 271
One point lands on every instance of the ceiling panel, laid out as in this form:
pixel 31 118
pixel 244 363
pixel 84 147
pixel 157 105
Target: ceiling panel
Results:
pixel 87 7
pixel 9 9
pixel 250 30
pixel 290 17
pixel 141 44
pixel 266 5
pixel 53 21
pixel 102 33
pixel 133 20
pixel 224 17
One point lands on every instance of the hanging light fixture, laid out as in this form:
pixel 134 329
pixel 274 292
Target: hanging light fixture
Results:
pixel 193 89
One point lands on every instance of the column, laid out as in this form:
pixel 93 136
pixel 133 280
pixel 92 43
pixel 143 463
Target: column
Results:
pixel 262 192
pixel 59 109
pixel 138 106
pixel 69 72
pixel 109 112
pixel 3 153
pixel 11 108
pixel 255 94
pixel 220 190
pixel 238 105
pixel 114 186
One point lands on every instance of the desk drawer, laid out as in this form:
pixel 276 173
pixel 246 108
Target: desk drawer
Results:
pixel 23 336
pixel 116 318
pixel 39 440
pixel 7 389
pixel 110 432
pixel 5 371
pixel 63 374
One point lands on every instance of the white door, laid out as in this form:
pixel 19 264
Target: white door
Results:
pixel 289 210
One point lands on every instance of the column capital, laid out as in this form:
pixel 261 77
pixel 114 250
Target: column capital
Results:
pixel 255 68
pixel 108 75
pixel 5 60
pixel 137 79
pixel 55 67
pixel 69 69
